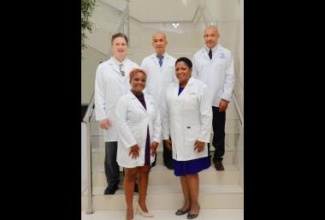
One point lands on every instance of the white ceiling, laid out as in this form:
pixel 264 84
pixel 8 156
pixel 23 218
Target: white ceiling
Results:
pixel 108 14
pixel 156 10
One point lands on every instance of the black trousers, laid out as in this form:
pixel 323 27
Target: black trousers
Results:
pixel 167 155
pixel 218 140
pixel 112 169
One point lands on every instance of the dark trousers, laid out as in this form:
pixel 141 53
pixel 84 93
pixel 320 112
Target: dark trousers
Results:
pixel 218 141
pixel 112 169
pixel 167 155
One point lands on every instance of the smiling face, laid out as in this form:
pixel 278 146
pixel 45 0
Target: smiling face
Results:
pixel 138 81
pixel 119 48
pixel 211 36
pixel 183 73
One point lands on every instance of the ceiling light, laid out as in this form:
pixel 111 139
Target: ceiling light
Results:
pixel 175 25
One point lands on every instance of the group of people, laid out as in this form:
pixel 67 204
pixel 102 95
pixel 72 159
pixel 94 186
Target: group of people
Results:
pixel 165 101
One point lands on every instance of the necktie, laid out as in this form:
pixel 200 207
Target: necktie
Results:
pixel 160 59
pixel 210 54
pixel 122 69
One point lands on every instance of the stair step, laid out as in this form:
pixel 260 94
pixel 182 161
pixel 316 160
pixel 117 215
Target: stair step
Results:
pixel 98 160
pixel 160 175
pixel 211 197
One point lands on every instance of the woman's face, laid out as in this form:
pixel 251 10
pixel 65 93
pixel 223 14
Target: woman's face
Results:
pixel 183 72
pixel 138 82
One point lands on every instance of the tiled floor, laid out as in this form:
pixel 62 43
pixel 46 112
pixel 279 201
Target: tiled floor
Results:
pixel 205 214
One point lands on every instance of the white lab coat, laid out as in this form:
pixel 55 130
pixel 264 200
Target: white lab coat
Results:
pixel 218 74
pixel 133 120
pixel 109 86
pixel 159 77
pixel 187 118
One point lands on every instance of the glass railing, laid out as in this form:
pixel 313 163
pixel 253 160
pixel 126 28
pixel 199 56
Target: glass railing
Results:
pixel 118 22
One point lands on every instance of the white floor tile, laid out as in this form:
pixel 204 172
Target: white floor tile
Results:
pixel 205 214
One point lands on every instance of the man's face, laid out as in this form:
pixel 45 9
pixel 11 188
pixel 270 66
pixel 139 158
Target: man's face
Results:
pixel 211 37
pixel 159 42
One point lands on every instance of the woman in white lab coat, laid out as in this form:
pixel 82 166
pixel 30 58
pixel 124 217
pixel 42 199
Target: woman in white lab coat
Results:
pixel 187 118
pixel 139 130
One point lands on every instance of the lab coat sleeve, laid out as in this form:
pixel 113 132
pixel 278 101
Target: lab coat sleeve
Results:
pixel 124 133
pixel 229 79
pixel 100 95
pixel 165 123
pixel 206 116
pixel 194 68
pixel 156 127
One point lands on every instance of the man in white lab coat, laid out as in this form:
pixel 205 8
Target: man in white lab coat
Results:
pixel 160 67
pixel 112 81
pixel 214 65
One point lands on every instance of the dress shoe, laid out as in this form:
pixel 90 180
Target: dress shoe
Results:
pixel 192 216
pixel 218 165
pixel 141 212
pixel 111 189
pixel 182 212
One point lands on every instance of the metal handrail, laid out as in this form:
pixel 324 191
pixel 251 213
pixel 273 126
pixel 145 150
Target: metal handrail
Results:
pixel 87 119
pixel 239 112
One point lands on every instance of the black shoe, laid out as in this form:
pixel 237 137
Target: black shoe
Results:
pixel 192 216
pixel 182 212
pixel 218 165
pixel 111 189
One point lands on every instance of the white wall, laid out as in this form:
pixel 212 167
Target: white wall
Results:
pixel 89 63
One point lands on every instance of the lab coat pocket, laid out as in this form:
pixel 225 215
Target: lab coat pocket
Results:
pixel 191 134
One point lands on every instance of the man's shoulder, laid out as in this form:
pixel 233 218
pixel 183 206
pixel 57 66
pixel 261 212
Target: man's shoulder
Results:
pixel 223 49
pixel 132 63
pixel 199 52
pixel 149 57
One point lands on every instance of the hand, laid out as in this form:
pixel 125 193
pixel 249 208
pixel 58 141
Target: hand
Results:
pixel 199 146
pixel 223 104
pixel 168 143
pixel 134 151
pixel 153 148
pixel 105 124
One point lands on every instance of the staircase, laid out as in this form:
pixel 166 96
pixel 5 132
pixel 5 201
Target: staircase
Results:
pixel 218 189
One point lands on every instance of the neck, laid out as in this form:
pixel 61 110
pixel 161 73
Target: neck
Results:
pixel 120 58
pixel 183 84
pixel 136 92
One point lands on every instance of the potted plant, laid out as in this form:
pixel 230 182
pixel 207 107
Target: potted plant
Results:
pixel 87 8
